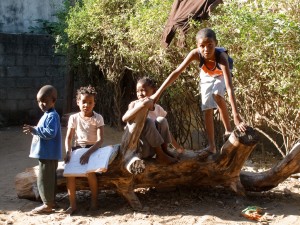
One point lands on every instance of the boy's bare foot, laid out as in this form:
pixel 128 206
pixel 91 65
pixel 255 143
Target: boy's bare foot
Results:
pixel 70 211
pixel 211 149
pixel 204 153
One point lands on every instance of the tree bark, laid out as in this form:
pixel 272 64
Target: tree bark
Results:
pixel 269 179
pixel 127 172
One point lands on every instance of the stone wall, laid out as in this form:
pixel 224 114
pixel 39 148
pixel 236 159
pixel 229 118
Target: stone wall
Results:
pixel 20 16
pixel 27 62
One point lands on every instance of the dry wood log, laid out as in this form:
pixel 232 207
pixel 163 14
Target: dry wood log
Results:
pixel 269 179
pixel 222 169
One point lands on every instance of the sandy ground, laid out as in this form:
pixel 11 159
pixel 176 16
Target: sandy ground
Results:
pixel 178 206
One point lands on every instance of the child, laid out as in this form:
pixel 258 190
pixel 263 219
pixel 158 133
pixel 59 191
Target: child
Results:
pixel 155 135
pixel 86 128
pixel 46 147
pixel 215 78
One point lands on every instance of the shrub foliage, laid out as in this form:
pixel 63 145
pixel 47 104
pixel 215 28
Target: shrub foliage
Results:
pixel 122 38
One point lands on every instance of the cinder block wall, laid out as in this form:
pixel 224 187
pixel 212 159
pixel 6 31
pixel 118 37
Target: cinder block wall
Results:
pixel 27 62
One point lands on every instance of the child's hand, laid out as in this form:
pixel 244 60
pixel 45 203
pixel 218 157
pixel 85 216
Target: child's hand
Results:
pixel 84 159
pixel 148 102
pixel 27 129
pixel 239 123
pixel 242 127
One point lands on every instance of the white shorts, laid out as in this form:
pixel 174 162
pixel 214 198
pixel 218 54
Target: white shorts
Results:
pixel 209 87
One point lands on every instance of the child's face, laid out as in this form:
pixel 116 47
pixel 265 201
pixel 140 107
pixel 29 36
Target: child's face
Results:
pixel 207 47
pixel 86 104
pixel 45 102
pixel 143 90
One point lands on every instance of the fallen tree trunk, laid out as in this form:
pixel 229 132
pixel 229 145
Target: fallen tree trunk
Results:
pixel 127 172
pixel 269 179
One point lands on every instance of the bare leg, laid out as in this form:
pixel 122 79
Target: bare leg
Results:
pixel 223 113
pixel 209 125
pixel 93 183
pixel 71 186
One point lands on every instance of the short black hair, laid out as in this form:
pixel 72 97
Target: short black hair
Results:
pixel 88 90
pixel 48 91
pixel 206 33
pixel 148 81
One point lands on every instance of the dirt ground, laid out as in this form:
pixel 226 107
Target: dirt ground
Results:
pixel 179 206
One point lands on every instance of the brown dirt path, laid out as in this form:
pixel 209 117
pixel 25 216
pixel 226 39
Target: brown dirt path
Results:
pixel 174 207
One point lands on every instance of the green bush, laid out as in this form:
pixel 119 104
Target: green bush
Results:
pixel 123 39
pixel 264 38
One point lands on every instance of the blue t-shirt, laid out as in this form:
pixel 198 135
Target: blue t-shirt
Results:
pixel 46 142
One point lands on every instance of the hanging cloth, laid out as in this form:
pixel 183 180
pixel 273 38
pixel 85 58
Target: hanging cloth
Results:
pixel 182 11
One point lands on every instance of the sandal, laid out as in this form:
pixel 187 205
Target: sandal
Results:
pixel 41 210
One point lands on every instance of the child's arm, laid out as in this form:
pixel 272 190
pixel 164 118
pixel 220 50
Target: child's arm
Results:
pixel 85 157
pixel 228 82
pixel 47 131
pixel 68 143
pixel 193 55
pixel 28 129
pixel 135 106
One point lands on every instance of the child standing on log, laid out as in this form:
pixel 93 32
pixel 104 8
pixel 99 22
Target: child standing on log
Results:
pixel 87 129
pixel 215 78
pixel 46 147
pixel 156 135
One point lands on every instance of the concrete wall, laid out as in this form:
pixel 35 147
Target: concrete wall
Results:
pixel 16 16
pixel 27 62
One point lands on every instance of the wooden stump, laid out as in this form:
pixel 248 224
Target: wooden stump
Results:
pixel 127 172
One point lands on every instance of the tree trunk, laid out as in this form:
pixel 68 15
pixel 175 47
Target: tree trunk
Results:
pixel 269 179
pixel 128 172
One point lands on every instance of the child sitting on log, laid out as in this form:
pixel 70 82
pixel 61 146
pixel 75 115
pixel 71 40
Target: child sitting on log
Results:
pixel 87 128
pixel 156 135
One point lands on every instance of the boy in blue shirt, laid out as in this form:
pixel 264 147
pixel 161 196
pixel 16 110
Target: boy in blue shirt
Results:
pixel 46 147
